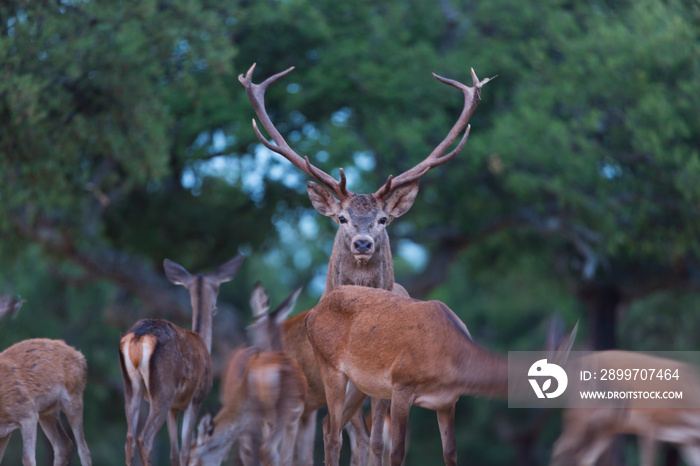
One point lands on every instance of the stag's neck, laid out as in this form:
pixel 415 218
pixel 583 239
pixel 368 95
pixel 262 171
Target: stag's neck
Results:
pixel 483 373
pixel 344 269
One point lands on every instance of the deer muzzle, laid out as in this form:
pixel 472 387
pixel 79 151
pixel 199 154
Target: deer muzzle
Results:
pixel 362 247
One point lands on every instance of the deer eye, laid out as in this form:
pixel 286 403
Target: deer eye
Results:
pixel 342 219
pixel 382 221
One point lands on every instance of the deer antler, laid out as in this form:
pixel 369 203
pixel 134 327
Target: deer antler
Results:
pixel 472 96
pixel 256 95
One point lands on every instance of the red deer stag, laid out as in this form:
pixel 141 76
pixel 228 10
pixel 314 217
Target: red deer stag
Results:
pixel 170 366
pixel 39 378
pixel 263 393
pixel 398 348
pixel 361 252
pixel 587 433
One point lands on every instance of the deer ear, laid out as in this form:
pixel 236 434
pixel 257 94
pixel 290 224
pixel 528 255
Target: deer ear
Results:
pixel 204 429
pixel 286 307
pixel 559 344
pixel 259 301
pixel 10 304
pixel 401 201
pixel 322 200
pixel 226 272
pixel 177 273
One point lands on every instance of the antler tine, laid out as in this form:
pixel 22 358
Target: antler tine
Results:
pixel 256 95
pixel 472 96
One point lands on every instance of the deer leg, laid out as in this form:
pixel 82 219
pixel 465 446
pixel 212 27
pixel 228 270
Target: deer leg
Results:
pixel 690 453
pixel 305 440
pixel 360 442
pixel 564 446
pixel 271 446
pixel 596 447
pixel 171 423
pixel 3 445
pixel 335 383
pixel 156 417
pixel 648 450
pixel 249 447
pixel 379 409
pixel 188 421
pixel 28 429
pixel 60 442
pixel 291 420
pixel 357 429
pixel 573 436
pixel 74 414
pixel 132 400
pixel 401 402
pixel 446 421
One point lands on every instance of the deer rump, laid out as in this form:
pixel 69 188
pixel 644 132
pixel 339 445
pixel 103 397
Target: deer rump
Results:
pixel 146 356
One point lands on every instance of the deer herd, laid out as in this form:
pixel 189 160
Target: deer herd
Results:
pixel 366 337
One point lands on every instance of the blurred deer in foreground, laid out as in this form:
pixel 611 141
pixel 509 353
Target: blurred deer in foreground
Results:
pixel 39 378
pixel 361 252
pixel 412 352
pixel 10 305
pixel 263 393
pixel 170 366
pixel 587 433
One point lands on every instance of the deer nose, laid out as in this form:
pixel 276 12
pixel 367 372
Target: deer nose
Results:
pixel 362 245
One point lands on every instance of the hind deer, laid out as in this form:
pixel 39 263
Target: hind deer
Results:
pixel 392 347
pixel 587 433
pixel 39 378
pixel 263 392
pixel 170 366
pixel 361 251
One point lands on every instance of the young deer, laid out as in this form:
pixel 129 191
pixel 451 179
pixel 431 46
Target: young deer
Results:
pixel 587 433
pixel 170 366
pixel 39 378
pixel 398 348
pixel 263 394
pixel 361 252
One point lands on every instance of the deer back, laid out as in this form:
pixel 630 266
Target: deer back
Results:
pixel 427 347
pixel 274 381
pixel 34 375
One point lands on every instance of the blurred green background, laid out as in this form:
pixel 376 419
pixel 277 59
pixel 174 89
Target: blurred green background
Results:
pixel 125 138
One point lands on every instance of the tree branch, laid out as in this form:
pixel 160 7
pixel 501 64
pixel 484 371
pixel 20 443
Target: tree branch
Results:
pixel 133 275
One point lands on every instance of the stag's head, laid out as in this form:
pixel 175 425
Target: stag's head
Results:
pixel 362 218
